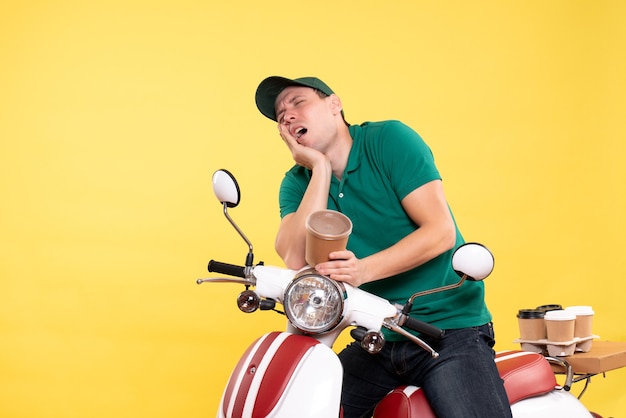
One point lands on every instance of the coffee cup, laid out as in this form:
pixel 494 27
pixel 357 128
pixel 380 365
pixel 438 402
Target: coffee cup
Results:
pixel 560 325
pixel 326 231
pixel 531 324
pixel 584 320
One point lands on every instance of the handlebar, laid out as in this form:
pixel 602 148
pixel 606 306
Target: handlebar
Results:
pixel 225 268
pixel 409 323
pixel 423 328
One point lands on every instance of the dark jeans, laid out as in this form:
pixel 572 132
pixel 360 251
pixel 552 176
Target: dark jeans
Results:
pixel 462 382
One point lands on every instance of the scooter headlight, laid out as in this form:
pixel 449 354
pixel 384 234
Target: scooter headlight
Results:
pixel 314 303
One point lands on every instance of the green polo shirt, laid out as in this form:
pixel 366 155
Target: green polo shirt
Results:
pixel 389 160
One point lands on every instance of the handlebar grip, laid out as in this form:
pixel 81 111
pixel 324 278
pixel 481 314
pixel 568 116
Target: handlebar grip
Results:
pixel 225 268
pixel 423 327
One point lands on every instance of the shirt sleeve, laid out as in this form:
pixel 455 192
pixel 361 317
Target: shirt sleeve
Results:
pixel 408 161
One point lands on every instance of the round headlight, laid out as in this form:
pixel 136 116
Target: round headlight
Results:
pixel 314 303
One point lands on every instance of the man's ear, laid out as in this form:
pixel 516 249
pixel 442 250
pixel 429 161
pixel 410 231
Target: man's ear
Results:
pixel 335 104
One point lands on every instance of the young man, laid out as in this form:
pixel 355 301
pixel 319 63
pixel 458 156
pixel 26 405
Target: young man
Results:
pixel 383 177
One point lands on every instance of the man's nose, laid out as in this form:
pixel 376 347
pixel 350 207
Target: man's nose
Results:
pixel 288 116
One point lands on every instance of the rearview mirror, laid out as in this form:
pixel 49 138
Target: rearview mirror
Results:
pixel 225 188
pixel 473 260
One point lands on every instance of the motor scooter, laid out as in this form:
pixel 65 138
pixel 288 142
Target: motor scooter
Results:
pixel 295 373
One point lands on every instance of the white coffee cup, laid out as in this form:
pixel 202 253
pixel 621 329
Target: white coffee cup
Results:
pixel 584 320
pixel 560 325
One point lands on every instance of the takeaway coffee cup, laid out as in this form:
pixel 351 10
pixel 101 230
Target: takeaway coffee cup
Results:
pixel 531 324
pixel 560 325
pixel 584 320
pixel 327 231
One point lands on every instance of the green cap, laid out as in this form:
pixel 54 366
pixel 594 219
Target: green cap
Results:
pixel 271 87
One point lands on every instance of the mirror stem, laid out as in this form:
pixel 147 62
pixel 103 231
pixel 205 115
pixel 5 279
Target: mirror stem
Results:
pixel 250 256
pixel 439 289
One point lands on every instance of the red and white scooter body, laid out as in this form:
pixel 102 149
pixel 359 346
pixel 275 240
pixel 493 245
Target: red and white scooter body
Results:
pixel 284 375
pixel 556 404
pixel 288 375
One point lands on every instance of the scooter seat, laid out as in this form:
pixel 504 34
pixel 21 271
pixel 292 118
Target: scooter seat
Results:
pixel 525 375
pixel 404 402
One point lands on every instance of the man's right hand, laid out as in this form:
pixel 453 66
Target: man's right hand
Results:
pixel 302 155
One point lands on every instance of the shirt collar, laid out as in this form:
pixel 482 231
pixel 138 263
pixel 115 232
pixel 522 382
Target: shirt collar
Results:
pixel 354 158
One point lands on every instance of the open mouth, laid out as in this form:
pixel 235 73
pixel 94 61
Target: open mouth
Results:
pixel 300 132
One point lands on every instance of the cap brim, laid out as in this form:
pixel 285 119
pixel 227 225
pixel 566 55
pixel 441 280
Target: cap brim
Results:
pixel 268 91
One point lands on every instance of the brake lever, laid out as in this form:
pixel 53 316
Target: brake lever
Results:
pixel 394 327
pixel 246 282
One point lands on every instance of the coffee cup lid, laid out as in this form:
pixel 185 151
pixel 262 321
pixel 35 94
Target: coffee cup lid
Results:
pixel 560 315
pixel 546 308
pixel 329 224
pixel 530 313
pixel 580 310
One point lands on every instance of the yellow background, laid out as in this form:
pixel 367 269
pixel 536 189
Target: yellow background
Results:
pixel 114 114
